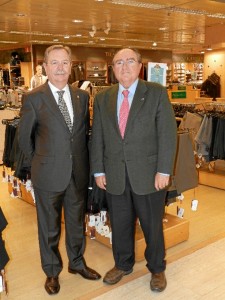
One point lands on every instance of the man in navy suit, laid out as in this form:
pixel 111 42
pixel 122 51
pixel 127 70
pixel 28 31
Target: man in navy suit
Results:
pixel 134 167
pixel 59 165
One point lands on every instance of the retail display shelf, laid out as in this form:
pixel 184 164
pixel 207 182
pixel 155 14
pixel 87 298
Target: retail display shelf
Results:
pixel 213 179
pixel 176 230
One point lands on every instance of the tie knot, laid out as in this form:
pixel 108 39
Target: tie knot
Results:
pixel 60 93
pixel 125 93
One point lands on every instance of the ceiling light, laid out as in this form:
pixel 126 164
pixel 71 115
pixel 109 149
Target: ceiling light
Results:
pixel 209 48
pixel 66 37
pixel 107 31
pixel 93 32
pixel 20 15
pixel 108 27
pixel 78 34
pixel 8 42
pixel 77 21
pixel 154 44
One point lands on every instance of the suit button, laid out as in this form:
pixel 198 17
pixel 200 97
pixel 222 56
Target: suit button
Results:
pixel 71 156
pixel 71 140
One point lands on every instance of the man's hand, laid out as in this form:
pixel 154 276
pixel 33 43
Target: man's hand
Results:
pixel 161 181
pixel 101 182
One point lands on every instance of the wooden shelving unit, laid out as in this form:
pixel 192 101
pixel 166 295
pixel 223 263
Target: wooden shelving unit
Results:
pixel 176 230
pixel 96 71
pixel 214 179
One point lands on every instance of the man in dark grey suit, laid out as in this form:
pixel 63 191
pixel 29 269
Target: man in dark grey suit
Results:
pixel 134 166
pixel 59 164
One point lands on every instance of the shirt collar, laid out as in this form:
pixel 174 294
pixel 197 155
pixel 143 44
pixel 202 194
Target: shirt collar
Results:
pixel 54 89
pixel 131 89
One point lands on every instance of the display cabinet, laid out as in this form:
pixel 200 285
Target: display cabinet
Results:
pixel 96 72
pixel 188 72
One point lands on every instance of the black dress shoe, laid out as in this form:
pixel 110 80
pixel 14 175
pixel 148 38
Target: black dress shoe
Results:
pixel 86 272
pixel 52 285
pixel 158 282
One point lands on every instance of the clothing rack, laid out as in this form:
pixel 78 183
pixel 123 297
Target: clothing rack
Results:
pixel 181 108
pixel 211 173
pixel 214 106
pixel 13 121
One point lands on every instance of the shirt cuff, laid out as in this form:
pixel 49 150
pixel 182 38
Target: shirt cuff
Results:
pixel 99 174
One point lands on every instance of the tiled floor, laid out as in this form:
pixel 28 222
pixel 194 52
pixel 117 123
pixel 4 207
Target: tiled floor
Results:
pixel 191 273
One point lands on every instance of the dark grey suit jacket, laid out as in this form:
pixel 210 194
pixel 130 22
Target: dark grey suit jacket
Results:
pixel 149 145
pixel 46 140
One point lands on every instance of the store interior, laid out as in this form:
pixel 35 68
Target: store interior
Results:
pixel 191 56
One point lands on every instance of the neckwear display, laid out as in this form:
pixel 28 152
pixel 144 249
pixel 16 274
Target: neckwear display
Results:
pixel 64 110
pixel 124 112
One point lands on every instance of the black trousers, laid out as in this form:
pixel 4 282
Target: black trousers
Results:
pixel 123 211
pixel 49 210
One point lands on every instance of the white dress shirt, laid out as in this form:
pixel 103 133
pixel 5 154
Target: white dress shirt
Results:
pixel 66 97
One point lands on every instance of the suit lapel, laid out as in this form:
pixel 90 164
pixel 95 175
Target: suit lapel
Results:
pixel 51 103
pixel 74 98
pixel 112 105
pixel 76 104
pixel 138 101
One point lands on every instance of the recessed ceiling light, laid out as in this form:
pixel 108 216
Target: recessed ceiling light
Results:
pixel 77 21
pixel 78 34
pixel 66 37
pixel 154 44
pixel 20 15
pixel 102 39
pixel 55 40
pixel 8 42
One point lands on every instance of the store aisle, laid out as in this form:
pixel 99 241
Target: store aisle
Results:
pixel 198 276
pixel 194 275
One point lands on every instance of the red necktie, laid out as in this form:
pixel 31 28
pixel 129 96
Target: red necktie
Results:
pixel 124 112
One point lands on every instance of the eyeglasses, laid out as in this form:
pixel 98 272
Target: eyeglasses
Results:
pixel 129 62
pixel 56 63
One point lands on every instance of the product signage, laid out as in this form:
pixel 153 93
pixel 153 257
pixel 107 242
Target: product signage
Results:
pixel 179 95
pixel 181 87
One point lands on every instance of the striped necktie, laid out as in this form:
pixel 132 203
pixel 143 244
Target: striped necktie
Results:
pixel 64 110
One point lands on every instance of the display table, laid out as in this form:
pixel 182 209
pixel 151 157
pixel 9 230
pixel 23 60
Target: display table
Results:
pixel 176 230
